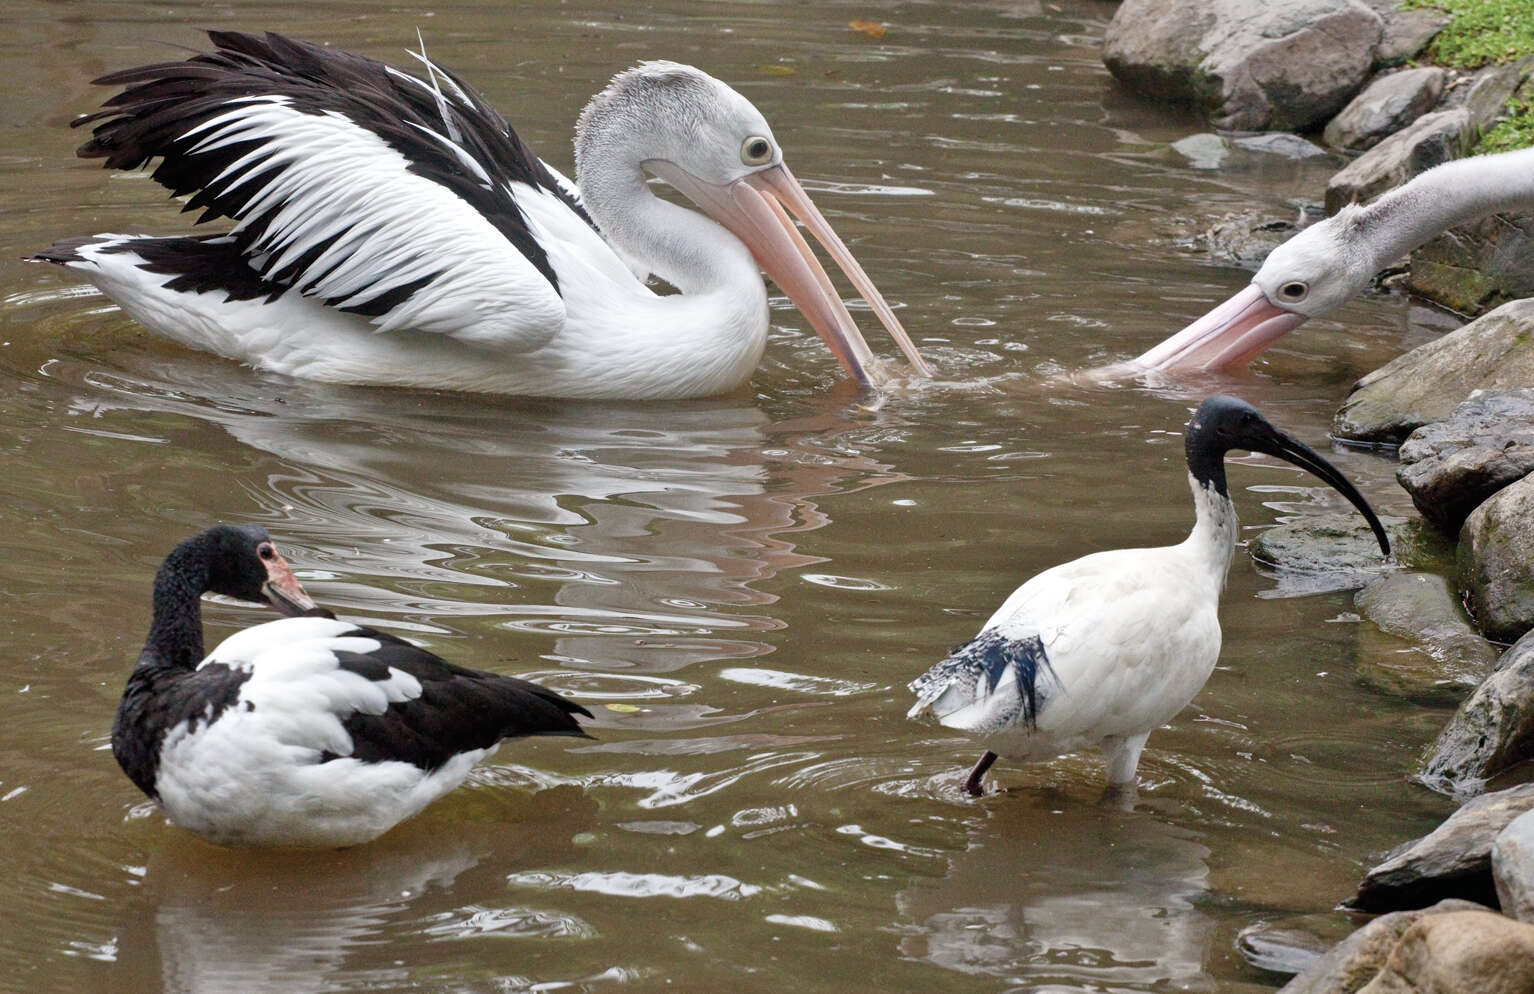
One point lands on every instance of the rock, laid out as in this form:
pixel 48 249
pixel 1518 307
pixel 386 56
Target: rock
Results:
pixel 1448 656
pixel 1430 140
pixel 1280 65
pixel 1388 104
pixel 1492 731
pixel 1461 951
pixel 1321 552
pixel 1407 32
pixel 1340 546
pixel 1450 467
pixel 1245 238
pixel 1454 860
pixel 1496 550
pixel 1280 143
pixel 1477 266
pixel 1203 151
pixel 1356 960
pixel 1512 867
pixel 1494 352
pixel 1485 93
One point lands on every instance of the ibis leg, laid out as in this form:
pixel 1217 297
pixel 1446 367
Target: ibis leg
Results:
pixel 1123 753
pixel 972 784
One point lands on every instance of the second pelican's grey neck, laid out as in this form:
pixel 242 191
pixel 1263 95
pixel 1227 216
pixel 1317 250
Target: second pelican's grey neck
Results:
pixel 1447 195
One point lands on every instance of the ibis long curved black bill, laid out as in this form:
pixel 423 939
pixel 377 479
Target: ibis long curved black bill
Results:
pixel 1293 450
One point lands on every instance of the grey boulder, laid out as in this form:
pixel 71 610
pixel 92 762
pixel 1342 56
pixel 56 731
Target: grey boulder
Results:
pixel 1492 731
pixel 1494 352
pixel 1254 66
pixel 1452 466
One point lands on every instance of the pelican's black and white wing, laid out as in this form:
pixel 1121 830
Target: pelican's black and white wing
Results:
pixel 407 201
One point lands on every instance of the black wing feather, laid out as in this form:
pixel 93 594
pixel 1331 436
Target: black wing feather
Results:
pixel 459 709
pixel 157 700
pixel 162 102
pixel 990 654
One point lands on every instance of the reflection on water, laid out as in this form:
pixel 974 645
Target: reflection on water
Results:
pixel 1101 899
pixel 255 922
pixel 643 519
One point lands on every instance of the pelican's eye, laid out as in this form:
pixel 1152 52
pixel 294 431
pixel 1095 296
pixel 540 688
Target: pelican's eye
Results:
pixel 1294 291
pixel 756 151
pixel 266 551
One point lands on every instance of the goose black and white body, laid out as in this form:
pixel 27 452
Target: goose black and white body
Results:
pixel 306 731
pixel 390 229
pixel 1321 267
pixel 1102 650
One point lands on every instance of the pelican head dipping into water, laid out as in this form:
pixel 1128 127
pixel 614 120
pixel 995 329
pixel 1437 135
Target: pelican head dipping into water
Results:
pixel 1102 650
pixel 1323 266
pixel 393 229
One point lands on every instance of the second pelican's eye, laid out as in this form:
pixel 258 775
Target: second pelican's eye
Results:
pixel 756 151
pixel 1293 292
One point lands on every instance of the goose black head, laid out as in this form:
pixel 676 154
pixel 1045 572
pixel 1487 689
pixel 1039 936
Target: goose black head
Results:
pixel 241 561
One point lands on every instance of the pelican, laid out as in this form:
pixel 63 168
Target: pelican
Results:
pixel 1321 267
pixel 393 229
pixel 306 731
pixel 1104 649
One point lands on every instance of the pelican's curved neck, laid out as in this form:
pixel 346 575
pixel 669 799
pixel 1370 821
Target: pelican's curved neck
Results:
pixel 1213 538
pixel 689 251
pixel 1444 196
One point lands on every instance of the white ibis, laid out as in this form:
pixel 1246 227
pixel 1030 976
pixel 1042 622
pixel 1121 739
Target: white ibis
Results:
pixel 389 229
pixel 1104 649
pixel 305 731
pixel 1321 267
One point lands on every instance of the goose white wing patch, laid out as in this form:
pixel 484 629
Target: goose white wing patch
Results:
pixel 298 691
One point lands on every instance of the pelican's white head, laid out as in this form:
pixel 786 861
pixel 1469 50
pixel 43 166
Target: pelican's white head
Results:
pixel 1311 274
pixel 706 140
pixel 1321 267
pixel 669 112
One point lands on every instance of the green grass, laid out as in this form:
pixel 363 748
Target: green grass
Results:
pixel 1482 32
pixel 1514 131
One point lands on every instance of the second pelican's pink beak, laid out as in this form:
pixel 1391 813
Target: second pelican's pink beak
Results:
pixel 752 208
pixel 1231 334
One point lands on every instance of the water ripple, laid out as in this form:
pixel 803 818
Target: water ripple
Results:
pixel 668 788
pixel 611 686
pixel 803 683
pixel 624 884
pixel 474 921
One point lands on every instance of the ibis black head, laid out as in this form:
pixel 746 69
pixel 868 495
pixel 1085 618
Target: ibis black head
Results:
pixel 1222 423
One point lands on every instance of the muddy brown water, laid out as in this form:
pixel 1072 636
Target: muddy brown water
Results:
pixel 738 587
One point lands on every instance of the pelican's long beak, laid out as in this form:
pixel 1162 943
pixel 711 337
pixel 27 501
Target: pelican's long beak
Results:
pixel 1231 334
pixel 752 208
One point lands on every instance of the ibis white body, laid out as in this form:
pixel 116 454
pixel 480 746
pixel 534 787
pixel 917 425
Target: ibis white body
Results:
pixel 1128 637
pixel 1104 649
